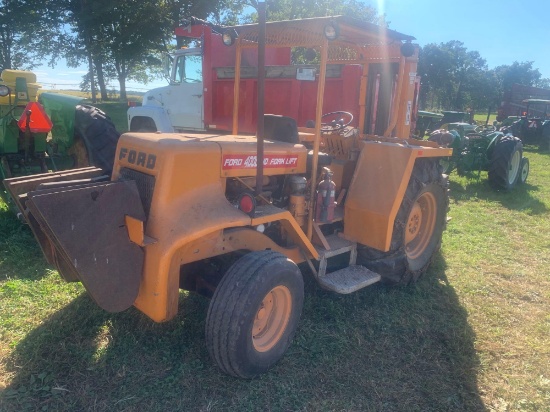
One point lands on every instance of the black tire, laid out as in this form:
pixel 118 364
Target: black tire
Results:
pixel 417 230
pixel 523 171
pixel 504 163
pixel 79 153
pixel 447 165
pixel 544 145
pixel 238 311
pixel 98 133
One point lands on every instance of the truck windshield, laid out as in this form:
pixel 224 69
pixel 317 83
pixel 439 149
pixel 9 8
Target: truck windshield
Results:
pixel 188 69
pixel 538 109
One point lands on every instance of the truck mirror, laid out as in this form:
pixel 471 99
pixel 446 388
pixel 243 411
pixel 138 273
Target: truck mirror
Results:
pixel 167 66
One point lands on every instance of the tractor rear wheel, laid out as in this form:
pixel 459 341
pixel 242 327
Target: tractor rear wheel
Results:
pixel 417 229
pixel 79 153
pixel 505 161
pixel 254 313
pixel 544 145
pixel 99 135
pixel 447 165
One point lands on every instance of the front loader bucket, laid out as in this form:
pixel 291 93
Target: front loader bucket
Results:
pixel 18 187
pixel 84 227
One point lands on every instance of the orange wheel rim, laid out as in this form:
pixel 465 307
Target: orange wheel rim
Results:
pixel 420 225
pixel 271 318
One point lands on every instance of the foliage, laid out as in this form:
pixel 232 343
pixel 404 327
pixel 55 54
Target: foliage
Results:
pixel 29 30
pixel 124 41
pixel 450 74
pixel 455 78
pixel 291 9
pixel 521 73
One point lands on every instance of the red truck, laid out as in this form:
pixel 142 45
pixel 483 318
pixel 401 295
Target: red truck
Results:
pixel 513 103
pixel 200 95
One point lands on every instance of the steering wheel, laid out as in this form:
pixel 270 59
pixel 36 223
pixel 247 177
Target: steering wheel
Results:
pixel 335 121
pixel 488 128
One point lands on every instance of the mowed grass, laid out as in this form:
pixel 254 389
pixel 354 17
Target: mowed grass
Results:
pixel 471 335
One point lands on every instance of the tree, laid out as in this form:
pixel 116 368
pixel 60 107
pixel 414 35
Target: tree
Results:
pixel 123 39
pixel 521 73
pixel 29 29
pixel 434 67
pixel 451 75
pixel 292 9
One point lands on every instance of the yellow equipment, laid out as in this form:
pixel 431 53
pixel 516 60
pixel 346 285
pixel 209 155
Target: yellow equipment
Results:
pixel 184 210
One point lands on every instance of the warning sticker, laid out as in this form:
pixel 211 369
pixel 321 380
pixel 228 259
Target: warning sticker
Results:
pixel 408 115
pixel 236 161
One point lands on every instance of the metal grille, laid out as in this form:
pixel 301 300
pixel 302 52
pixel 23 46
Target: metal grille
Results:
pixel 145 184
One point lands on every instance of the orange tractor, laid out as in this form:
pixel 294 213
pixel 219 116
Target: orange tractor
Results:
pixel 238 217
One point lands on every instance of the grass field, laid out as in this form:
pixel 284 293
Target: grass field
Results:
pixel 471 335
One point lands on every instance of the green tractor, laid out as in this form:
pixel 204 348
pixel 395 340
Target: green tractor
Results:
pixel 483 148
pixel 52 133
pixel 425 122
pixel 533 127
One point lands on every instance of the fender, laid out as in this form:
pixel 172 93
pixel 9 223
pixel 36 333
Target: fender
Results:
pixel 197 232
pixel 377 188
pixel 157 114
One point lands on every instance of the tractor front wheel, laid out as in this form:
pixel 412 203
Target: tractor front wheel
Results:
pixel 523 171
pixel 254 313
pixel 505 161
pixel 417 229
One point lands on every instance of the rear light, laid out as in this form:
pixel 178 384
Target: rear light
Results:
pixel 247 203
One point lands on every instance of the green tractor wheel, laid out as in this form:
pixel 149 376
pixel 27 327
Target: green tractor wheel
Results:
pixel 544 144
pixel 523 171
pixel 505 162
pixel 447 165
pixel 79 153
pixel 97 132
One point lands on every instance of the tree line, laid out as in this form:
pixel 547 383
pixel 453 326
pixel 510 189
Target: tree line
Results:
pixel 455 78
pixel 124 40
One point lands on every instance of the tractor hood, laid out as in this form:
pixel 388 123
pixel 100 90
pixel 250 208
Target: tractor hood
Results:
pixel 61 110
pixel 147 152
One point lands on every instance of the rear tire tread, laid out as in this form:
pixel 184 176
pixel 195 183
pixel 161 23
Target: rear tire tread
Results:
pixel 500 162
pixel 393 266
pixel 99 135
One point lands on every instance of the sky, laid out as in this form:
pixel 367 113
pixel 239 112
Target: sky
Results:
pixel 502 31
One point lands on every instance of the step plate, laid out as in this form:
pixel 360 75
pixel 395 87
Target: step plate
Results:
pixel 349 279
pixel 338 246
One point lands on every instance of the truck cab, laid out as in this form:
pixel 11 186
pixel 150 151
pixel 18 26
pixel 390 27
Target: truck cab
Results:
pixel 177 106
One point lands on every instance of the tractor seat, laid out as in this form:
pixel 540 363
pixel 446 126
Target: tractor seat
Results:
pixel 280 128
pixel 324 159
